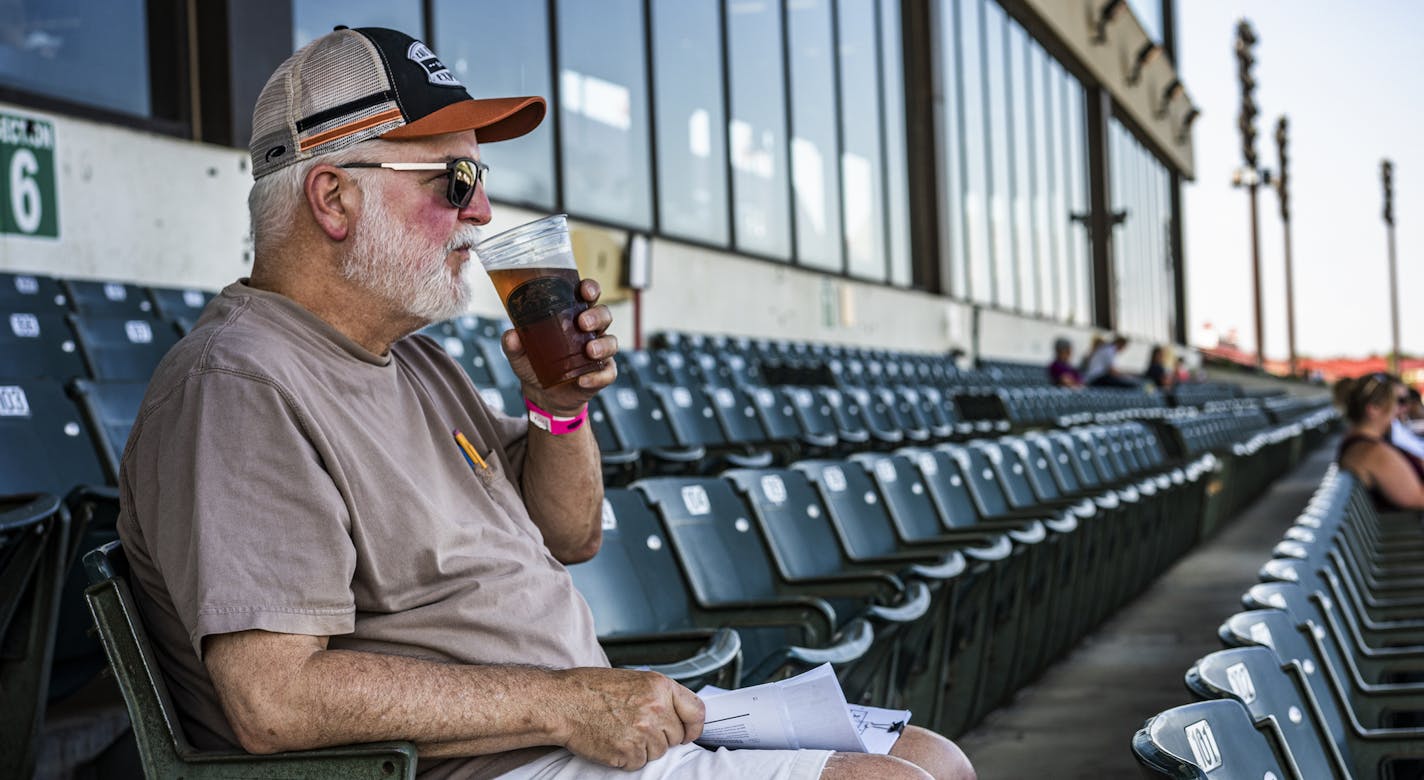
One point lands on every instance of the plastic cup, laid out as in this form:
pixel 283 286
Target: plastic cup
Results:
pixel 533 270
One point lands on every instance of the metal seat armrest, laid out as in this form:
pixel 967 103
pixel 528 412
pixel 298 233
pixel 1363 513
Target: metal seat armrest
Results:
pixel 720 652
pixel 913 607
pixel 854 642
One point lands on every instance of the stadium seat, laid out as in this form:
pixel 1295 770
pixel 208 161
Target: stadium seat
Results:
pixel 179 305
pixel 162 746
pixel 1254 677
pixel 726 566
pixel 804 546
pixel 34 552
pixel 625 587
pixel 32 292
pixel 108 299
pixel 1214 739
pixel 110 409
pixel 37 344
pixel 122 348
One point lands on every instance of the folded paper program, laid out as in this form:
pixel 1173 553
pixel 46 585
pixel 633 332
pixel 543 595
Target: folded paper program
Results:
pixel 806 711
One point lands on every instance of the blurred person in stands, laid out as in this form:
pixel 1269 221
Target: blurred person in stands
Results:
pixel 1093 347
pixel 317 558
pixel 1101 369
pixel 1183 373
pixel 1157 372
pixel 1394 478
pixel 1061 372
pixel 1413 414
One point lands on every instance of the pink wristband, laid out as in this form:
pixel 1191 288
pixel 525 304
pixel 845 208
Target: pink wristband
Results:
pixel 552 423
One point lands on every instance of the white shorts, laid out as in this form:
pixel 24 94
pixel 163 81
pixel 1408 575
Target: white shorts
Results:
pixel 683 761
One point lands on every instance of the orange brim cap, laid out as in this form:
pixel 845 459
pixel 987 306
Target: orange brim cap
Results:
pixel 492 119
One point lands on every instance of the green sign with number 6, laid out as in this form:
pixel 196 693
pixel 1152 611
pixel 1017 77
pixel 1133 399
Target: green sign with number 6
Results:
pixel 29 206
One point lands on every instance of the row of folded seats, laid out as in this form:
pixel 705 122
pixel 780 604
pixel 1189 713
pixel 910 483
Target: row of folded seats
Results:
pixel 1324 675
pixel 862 526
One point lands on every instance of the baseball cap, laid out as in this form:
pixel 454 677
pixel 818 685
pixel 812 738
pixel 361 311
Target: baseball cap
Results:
pixel 352 85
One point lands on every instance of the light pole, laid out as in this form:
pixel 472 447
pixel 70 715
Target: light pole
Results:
pixel 1250 176
pixel 1387 179
pixel 1283 194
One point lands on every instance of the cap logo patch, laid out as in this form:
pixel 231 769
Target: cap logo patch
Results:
pixel 435 71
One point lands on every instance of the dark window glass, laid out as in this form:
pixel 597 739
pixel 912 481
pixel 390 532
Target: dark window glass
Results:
pixel 1000 140
pixel 312 19
pixel 975 151
pixel 514 62
pixel 897 187
pixel 603 111
pixel 692 147
pixel 756 130
pixel 1060 215
pixel 815 182
pixel 93 52
pixel 861 161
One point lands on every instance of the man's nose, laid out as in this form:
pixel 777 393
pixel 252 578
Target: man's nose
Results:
pixel 478 209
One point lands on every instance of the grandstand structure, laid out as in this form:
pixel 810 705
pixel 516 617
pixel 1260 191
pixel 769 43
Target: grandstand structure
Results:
pixel 839 239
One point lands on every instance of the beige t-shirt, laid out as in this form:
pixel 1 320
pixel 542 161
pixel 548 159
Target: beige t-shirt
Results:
pixel 280 477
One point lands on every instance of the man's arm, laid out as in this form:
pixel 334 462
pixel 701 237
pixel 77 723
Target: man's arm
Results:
pixel 285 692
pixel 562 478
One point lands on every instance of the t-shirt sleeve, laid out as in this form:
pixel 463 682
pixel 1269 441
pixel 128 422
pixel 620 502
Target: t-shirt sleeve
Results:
pixel 250 529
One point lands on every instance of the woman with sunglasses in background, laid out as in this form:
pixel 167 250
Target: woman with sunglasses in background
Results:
pixel 1394 479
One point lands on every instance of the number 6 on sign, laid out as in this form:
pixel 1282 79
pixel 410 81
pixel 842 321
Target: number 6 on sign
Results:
pixel 28 202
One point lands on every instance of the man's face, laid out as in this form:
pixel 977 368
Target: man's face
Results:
pixel 410 246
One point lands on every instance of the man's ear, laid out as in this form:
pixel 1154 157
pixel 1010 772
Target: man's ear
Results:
pixel 333 199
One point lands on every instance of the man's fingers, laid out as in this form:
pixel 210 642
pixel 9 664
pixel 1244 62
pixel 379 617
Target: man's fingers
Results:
pixel 589 290
pixel 691 711
pixel 595 319
pixel 511 343
pixel 601 348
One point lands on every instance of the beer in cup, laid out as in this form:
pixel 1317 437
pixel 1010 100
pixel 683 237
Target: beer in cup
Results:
pixel 532 268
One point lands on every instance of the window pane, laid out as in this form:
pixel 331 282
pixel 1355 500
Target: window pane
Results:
pixel 312 19
pixel 603 111
pixel 814 179
pixel 897 187
pixel 515 62
pixel 1045 249
pixel 1059 208
pixel 1000 142
pixel 1075 128
pixel 692 147
pixel 756 130
pixel 85 51
pixel 1025 277
pixel 861 161
pixel 976 152
pixel 954 256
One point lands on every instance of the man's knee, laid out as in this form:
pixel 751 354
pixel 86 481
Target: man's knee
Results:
pixel 933 753
pixel 864 766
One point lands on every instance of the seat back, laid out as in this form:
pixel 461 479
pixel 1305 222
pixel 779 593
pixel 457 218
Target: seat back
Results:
pixel 979 476
pixel 736 414
pixel 1213 739
pixel 946 486
pixel 46 448
pixel 462 349
pixel 110 409
pixel 1253 676
pixel 632 585
pixel 850 427
pixel 37 343
pixel 854 506
pixel 122 348
pixel 711 532
pixel 108 299
pixel 797 529
pixel 637 419
pixel 690 414
pixel 32 292
pixel 776 414
pixel 34 551
pixel 900 483
pixel 162 746
pixel 1275 629
pixel 175 304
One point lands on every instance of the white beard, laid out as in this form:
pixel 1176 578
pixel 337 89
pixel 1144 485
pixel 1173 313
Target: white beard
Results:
pixel 403 268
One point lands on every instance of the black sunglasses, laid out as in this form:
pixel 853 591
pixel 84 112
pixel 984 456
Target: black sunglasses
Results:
pixel 463 174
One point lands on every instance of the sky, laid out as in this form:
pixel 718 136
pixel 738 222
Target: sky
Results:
pixel 1348 77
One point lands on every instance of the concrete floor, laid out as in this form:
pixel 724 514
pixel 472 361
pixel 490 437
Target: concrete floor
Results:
pixel 1077 721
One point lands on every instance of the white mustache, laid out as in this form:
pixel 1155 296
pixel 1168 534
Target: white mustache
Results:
pixel 465 238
